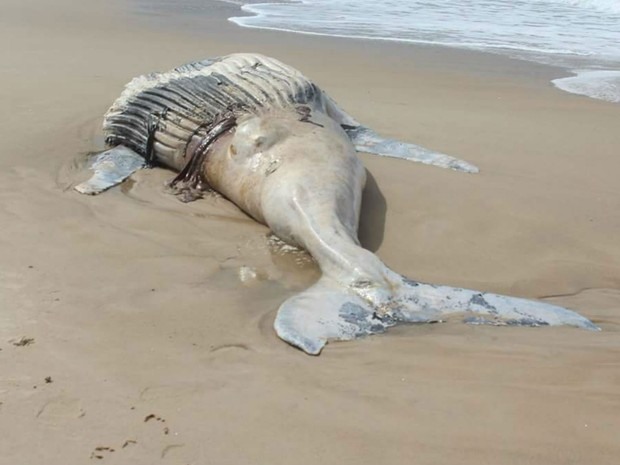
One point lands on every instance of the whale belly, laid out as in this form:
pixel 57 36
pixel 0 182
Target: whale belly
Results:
pixel 274 164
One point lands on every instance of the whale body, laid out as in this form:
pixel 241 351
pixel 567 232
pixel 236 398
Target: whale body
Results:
pixel 271 141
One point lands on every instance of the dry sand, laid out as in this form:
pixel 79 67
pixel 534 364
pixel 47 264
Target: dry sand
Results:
pixel 133 298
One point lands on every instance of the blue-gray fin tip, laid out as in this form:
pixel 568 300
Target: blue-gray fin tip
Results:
pixel 110 168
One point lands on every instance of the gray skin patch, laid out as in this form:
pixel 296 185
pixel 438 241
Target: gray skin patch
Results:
pixel 479 300
pixel 410 282
pixel 526 322
pixel 361 318
pixel 477 320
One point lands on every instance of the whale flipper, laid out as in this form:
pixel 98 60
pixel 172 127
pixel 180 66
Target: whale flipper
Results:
pixel 327 311
pixel 366 140
pixel 110 168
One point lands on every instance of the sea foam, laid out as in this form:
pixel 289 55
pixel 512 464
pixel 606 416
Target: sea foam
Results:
pixel 602 85
pixel 574 34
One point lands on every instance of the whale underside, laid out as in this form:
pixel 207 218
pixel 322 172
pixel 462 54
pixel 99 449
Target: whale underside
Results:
pixel 176 119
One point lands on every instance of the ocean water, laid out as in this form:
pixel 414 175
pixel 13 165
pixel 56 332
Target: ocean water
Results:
pixel 583 36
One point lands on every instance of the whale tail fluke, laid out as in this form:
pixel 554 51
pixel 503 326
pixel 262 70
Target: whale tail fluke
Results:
pixel 325 312
pixel 328 311
pixel 438 302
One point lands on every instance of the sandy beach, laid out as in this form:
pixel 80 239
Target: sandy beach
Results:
pixel 127 337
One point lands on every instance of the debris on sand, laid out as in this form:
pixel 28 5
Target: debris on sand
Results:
pixel 98 452
pixel 23 341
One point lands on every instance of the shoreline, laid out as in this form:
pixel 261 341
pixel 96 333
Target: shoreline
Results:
pixel 594 78
pixel 135 307
pixel 598 79
pixel 266 36
pixel 575 80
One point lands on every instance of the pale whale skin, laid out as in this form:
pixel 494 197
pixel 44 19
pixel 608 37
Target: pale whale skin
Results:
pixel 272 142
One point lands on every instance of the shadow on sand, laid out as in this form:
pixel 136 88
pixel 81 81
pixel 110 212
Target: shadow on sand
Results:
pixel 372 216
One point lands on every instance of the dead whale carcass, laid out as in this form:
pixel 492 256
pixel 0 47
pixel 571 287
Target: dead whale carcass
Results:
pixel 268 139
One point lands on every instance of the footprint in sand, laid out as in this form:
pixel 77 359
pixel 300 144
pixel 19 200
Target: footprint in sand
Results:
pixel 100 452
pixel 60 408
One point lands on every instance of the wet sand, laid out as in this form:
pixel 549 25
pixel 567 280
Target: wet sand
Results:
pixel 146 347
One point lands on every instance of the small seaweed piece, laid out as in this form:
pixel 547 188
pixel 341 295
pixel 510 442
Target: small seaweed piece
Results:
pixel 24 341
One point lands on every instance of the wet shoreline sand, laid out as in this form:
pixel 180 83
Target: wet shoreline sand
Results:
pixel 135 305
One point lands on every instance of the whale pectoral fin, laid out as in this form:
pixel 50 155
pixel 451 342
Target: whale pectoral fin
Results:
pixel 418 301
pixel 110 168
pixel 325 312
pixel 366 140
